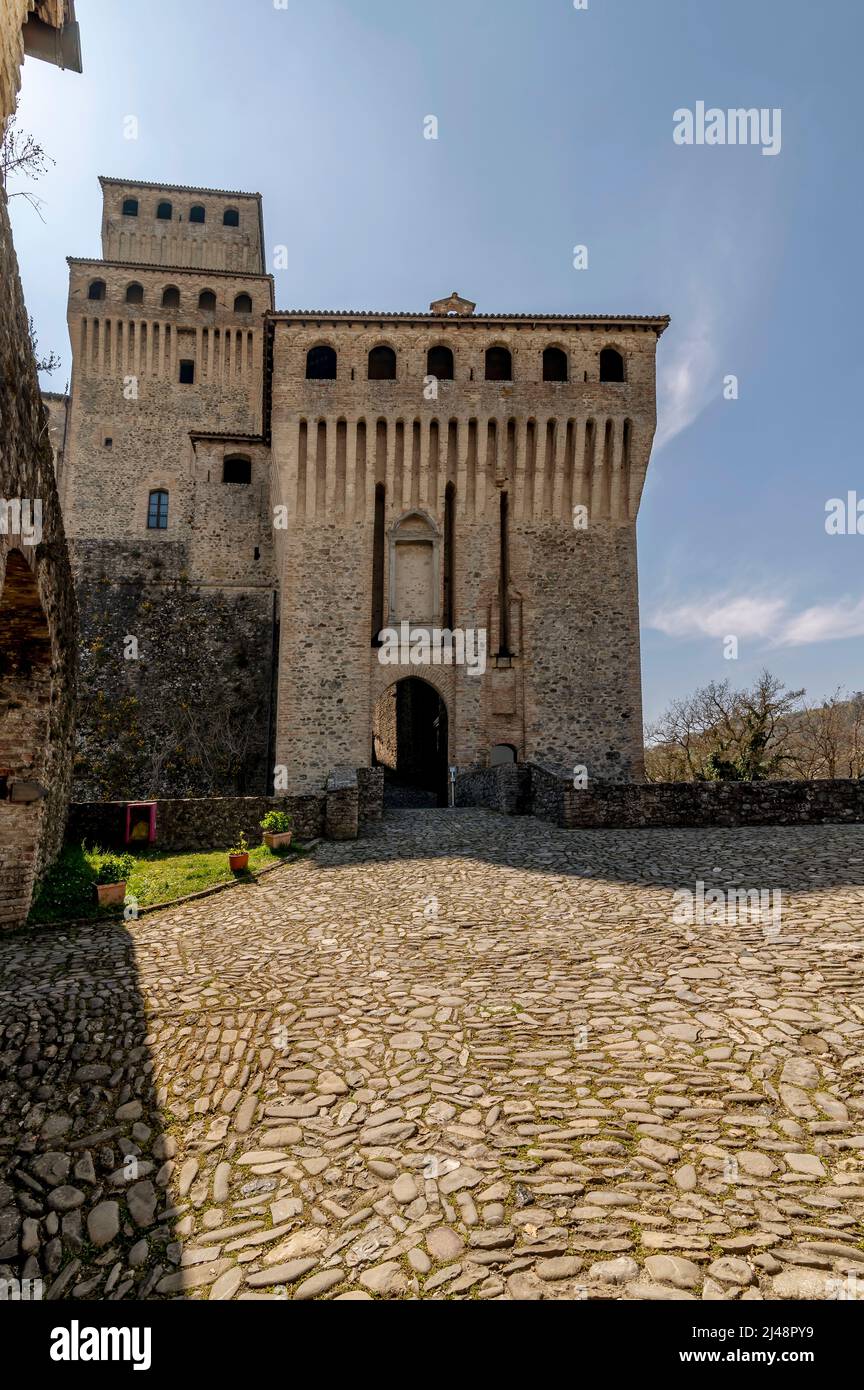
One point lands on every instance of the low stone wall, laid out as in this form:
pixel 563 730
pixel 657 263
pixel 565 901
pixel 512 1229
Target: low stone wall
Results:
pixel 342 814
pixel 548 793
pixel 193 824
pixel 506 788
pixel 370 790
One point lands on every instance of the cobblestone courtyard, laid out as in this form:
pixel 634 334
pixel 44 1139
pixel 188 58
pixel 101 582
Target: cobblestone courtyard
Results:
pixel 467 1057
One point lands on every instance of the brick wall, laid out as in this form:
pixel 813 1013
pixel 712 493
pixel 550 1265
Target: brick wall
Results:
pixel 38 619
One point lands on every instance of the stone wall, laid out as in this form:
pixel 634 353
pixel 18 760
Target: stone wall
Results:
pixel 505 788
pixel 370 788
pixel 192 824
pixel 12 16
pixel 549 794
pixel 38 617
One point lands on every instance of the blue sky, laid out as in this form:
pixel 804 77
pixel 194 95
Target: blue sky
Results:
pixel 555 128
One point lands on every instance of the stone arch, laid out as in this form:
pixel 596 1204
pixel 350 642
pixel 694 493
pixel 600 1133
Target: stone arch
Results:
pixel 25 708
pixel 555 364
pixel 499 363
pixel 410 741
pixel 321 363
pixel 381 365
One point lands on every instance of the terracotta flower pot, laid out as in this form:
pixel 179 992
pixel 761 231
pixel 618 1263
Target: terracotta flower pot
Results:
pixel 237 862
pixel 110 893
pixel 277 839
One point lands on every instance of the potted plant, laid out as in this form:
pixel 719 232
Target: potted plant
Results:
pixel 238 855
pixel 112 871
pixel 277 830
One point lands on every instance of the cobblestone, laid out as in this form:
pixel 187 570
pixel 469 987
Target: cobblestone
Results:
pixel 468 1056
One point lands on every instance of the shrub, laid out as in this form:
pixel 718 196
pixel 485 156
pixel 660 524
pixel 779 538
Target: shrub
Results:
pixel 276 822
pixel 241 846
pixel 111 868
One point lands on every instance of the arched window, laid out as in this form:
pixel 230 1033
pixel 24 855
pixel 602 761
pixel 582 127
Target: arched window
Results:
pixel 555 364
pixel 231 218
pixel 170 297
pixel 321 364
pixel 197 213
pixel 130 207
pixel 502 754
pixel 382 364
pixel 96 289
pixel 243 304
pixel 207 300
pixel 134 293
pixel 157 510
pixel 439 363
pixel 237 468
pixel 499 364
pixel 611 365
pixel 164 212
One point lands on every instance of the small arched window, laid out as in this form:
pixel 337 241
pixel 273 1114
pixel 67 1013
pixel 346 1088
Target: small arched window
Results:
pixel 382 364
pixel 237 468
pixel 502 754
pixel 499 364
pixel 555 364
pixel 157 510
pixel 207 300
pixel 439 363
pixel 130 207
pixel 164 212
pixel 321 364
pixel 170 297
pixel 243 304
pixel 231 218
pixel 197 213
pixel 96 289
pixel 134 293
pixel 611 365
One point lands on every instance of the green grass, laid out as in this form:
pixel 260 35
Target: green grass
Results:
pixel 67 889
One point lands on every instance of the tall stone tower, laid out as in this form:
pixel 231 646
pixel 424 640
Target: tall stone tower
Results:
pixel 460 471
pixel 165 489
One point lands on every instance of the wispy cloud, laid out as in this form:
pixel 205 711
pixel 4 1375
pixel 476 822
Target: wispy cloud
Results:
pixel 767 617
pixel 689 379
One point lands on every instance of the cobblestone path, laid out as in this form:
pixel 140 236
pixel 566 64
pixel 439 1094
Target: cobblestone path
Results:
pixel 467 1057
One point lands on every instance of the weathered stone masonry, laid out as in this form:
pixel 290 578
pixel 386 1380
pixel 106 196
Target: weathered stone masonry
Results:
pixel 425 468
pixel 38 636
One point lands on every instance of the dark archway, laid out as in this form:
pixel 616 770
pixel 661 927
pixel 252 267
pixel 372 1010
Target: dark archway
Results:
pixel 410 740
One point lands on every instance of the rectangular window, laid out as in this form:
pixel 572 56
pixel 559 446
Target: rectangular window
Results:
pixel 187 371
pixel 157 512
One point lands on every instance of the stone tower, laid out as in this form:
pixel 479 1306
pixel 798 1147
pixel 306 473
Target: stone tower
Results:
pixel 168 541
pixel 460 471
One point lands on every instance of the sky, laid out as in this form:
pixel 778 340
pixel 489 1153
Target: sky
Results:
pixel 556 128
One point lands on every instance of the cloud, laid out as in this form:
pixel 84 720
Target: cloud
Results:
pixel 722 615
pixel 690 378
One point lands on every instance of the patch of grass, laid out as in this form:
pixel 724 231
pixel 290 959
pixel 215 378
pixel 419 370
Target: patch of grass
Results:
pixel 156 877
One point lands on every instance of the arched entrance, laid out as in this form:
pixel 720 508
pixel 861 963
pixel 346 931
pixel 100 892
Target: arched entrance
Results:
pixel 409 740
pixel 25 699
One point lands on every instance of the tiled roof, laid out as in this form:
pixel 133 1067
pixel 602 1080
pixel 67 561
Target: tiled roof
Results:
pixel 203 271
pixel 658 321
pixel 178 188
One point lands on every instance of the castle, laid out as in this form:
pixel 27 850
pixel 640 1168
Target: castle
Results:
pixel 254 498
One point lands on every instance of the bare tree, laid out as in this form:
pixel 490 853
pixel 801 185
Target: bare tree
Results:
pixel 22 155
pixel 721 734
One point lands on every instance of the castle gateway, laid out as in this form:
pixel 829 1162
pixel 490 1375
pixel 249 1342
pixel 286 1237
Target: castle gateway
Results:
pixel 312 539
